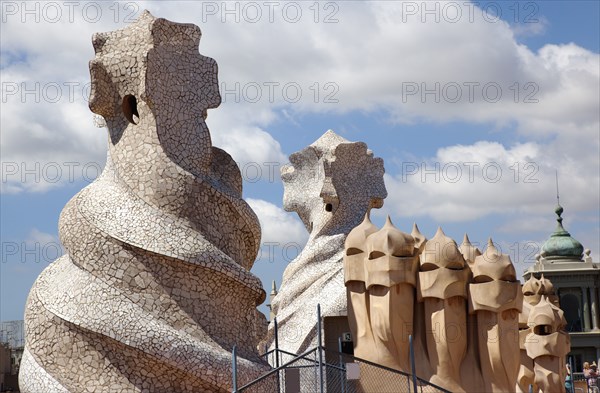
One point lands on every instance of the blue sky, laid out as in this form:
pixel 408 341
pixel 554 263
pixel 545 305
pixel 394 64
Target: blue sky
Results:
pixel 541 56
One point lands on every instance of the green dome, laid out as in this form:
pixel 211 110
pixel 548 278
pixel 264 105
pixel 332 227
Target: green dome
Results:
pixel 561 245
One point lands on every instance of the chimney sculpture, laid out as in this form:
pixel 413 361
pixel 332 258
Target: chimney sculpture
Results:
pixel 155 287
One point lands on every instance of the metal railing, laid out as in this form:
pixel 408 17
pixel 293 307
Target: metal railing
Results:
pixel 310 372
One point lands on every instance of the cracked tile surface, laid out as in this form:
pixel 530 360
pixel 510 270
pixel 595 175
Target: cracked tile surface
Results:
pixel 154 290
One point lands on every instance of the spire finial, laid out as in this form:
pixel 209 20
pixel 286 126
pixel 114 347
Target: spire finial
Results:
pixel 557 194
pixel 273 288
pixel 559 209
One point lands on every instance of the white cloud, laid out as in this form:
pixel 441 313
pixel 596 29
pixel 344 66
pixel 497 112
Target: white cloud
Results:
pixel 37 236
pixel 40 247
pixel 390 57
pixel 531 28
pixel 278 226
pixel 245 143
pixel 257 153
pixel 468 182
pixel 392 49
pixel 529 224
pixel 371 68
pixel 48 137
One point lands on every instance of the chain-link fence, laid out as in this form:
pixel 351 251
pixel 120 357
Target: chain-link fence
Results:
pixel 310 372
pixel 357 375
pixel 320 370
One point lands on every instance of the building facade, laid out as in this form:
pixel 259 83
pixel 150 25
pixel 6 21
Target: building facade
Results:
pixel 11 351
pixel 576 281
